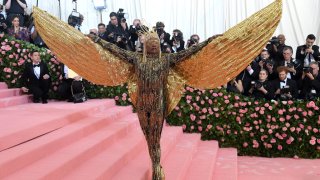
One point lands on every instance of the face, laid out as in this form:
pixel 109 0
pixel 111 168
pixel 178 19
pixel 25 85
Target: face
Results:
pixel 101 29
pixel 136 22
pixel 264 55
pixel 15 22
pixel 287 54
pixel 282 39
pixel 282 75
pixel 152 45
pixel 315 69
pixel 309 42
pixel 35 57
pixel 263 75
pixel 114 20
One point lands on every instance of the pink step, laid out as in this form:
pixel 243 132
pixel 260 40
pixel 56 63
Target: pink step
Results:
pixel 138 168
pixel 24 122
pixel 180 157
pixel 15 100
pixel 9 92
pixel 16 158
pixel 3 85
pixel 252 168
pixel 203 161
pixel 69 158
pixel 226 167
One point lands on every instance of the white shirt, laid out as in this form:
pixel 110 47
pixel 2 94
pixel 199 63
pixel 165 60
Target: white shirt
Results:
pixel 36 71
pixel 283 84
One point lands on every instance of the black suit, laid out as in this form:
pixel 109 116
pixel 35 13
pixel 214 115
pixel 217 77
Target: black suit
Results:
pixel 292 88
pixel 38 87
pixel 301 55
pixel 308 85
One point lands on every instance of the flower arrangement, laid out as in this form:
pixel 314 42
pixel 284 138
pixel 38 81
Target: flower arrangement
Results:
pixel 259 128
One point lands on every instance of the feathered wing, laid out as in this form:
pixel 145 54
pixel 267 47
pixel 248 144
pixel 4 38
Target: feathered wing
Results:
pixel 226 56
pixel 79 53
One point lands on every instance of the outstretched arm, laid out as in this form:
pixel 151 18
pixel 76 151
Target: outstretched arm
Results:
pixel 121 53
pixel 177 57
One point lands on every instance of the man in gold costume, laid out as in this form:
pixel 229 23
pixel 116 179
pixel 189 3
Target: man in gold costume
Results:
pixel 156 81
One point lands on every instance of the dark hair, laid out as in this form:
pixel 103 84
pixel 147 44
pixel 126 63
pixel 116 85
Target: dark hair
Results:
pixel 101 24
pixel 112 14
pixel 311 36
pixel 265 50
pixel 287 48
pixel 33 51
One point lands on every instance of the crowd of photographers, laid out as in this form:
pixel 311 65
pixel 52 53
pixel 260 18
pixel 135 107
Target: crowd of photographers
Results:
pixel 275 74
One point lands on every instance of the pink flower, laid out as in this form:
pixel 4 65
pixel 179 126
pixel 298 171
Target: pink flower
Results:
pixel 312 142
pixel 124 98
pixel 192 117
pixel 236 97
pixel 226 101
pixel 184 127
pixel 245 144
pixel 279 147
pixel 311 104
pixel 280 112
pixel 225 97
pixel 304 113
pixel 10 56
pixel 290 102
pixel 273 141
pixel 220 94
pixel 296 116
pixel 200 128
pixel 116 98
pixel 214 94
pixel 209 126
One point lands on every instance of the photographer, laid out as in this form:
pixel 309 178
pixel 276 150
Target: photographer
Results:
pixel 134 32
pixel 308 53
pixel 177 42
pixel 163 35
pixel 194 40
pixel 264 62
pixel 311 82
pixel 75 20
pixel 235 85
pixel 261 88
pixel 294 65
pixel 3 23
pixel 102 31
pixel 284 88
pixel 276 46
pixel 117 32
pixel 15 8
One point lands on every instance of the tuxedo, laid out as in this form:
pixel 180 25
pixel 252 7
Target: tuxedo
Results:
pixel 293 89
pixel 301 54
pixel 32 78
pixel 309 85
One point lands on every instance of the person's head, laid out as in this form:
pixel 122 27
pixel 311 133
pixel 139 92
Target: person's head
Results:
pixel 282 39
pixel 152 43
pixel 136 22
pixel 35 56
pixel 282 71
pixel 263 75
pixel 15 21
pixel 113 18
pixel 315 68
pixel 264 54
pixel 310 40
pixel 177 35
pixel 287 53
pixel 194 40
pixel 101 28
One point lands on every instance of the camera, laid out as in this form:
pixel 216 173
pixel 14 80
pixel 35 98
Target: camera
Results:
pixel 256 84
pixel 307 69
pixel 75 19
pixel 285 93
pixel 193 41
pixel 290 65
pixel 274 40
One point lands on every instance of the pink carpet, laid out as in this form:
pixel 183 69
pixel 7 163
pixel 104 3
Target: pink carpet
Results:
pixel 98 140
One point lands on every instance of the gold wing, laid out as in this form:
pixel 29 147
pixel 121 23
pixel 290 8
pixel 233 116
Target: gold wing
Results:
pixel 79 53
pixel 226 56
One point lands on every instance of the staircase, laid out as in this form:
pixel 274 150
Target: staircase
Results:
pixel 99 140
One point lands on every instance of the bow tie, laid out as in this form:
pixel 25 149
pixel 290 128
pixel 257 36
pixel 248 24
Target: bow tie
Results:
pixel 283 81
pixel 36 65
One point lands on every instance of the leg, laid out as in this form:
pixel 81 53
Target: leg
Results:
pixel 36 92
pixel 45 86
pixel 151 124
